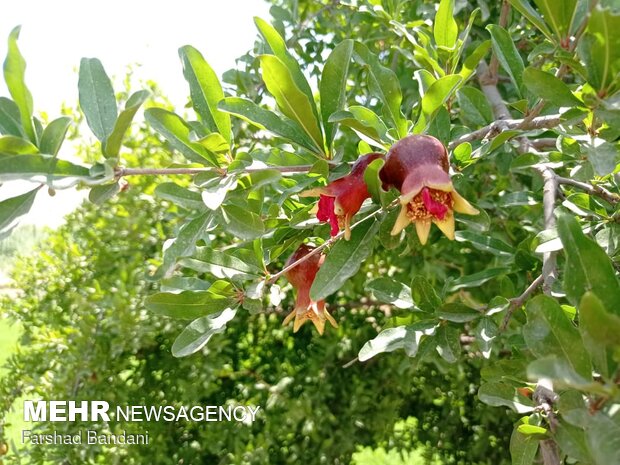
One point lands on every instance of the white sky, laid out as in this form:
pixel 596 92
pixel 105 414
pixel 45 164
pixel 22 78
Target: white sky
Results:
pixel 55 34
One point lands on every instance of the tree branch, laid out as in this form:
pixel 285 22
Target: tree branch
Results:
pixel 549 194
pixel 122 172
pixel 272 279
pixel 518 302
pixel 590 189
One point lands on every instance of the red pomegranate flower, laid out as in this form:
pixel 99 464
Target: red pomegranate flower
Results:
pixel 301 278
pixel 418 166
pixel 341 199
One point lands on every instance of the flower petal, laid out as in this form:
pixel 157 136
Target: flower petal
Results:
pixel 326 213
pixel 426 175
pixel 423 229
pixel 447 226
pixel 437 209
pixel 401 222
pixel 461 205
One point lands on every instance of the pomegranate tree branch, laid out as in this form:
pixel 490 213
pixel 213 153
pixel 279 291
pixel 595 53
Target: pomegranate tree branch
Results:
pixel 518 302
pixel 590 189
pixel 122 172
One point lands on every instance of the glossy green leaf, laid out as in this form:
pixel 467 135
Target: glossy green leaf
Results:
pixel 268 120
pixel 278 47
pixel 290 99
pixel 474 107
pixel 457 312
pixel 588 268
pixel 373 181
pixel 547 86
pixel 241 222
pixel 103 192
pixel 206 91
pixel 559 16
pixel 333 84
pixel 54 135
pixel 14 76
pixel 14 207
pixel 572 441
pixel 220 264
pixel 448 343
pixel 485 332
pixel 445 29
pixel 10 119
pixel 560 371
pixel 188 304
pixel 507 54
pixel 44 166
pixel 12 145
pixel 424 295
pixel 548 332
pixel 524 7
pixel 471 62
pixel 183 245
pixel 522 448
pixel 486 243
pixel 97 98
pixel 477 279
pixel 390 291
pixel 501 394
pixel 599 49
pixel 401 337
pixel 177 132
pixel 384 85
pixel 434 97
pixel 344 260
pixel 180 196
pixel 215 143
pixel 198 333
pixel 364 122
pixel 112 145
pixel 603 436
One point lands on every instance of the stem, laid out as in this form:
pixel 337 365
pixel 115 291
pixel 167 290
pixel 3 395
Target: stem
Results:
pixel 590 189
pixel 121 171
pixel 518 302
pixel 332 240
pixel 549 193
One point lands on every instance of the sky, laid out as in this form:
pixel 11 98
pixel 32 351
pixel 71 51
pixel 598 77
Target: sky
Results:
pixel 56 34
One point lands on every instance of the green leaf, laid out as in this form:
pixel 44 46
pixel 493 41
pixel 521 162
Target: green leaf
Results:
pixel 44 166
pixel 180 196
pixel 603 155
pixel 177 132
pixel 183 245
pixel 524 7
pixel 191 304
pixel 214 142
pixel 486 243
pixel 434 97
pixel 14 207
pixel 12 145
pixel 474 107
pixel 54 135
pixel 477 279
pixel 373 181
pixel 112 145
pixel 531 430
pixel 241 222
pixel 14 73
pixel 501 394
pixel 290 99
pixel 401 337
pixel 103 192
pixel 558 15
pixel 522 448
pixel 391 292
pixel 485 332
pixel 507 54
pixel 268 120
pixel 215 190
pixel 603 435
pixel 445 29
pixel 383 82
pixel 424 295
pixel 344 260
pixel 572 441
pixel 10 119
pixel 278 47
pixel 365 123
pixel 448 343
pixel 97 98
pixel 198 333
pixel 471 62
pixel 333 85
pixel 599 49
pixel 588 268
pixel 549 87
pixel 548 332
pixel 457 313
pixel 205 90
pixel 600 330
pixel 562 374
pixel 220 264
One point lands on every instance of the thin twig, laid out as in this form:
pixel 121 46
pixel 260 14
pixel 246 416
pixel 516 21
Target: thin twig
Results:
pixel 272 279
pixel 549 195
pixel 590 189
pixel 497 127
pixel 122 172
pixel 518 302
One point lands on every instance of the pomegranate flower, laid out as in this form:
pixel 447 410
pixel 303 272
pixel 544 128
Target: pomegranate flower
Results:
pixel 301 278
pixel 418 166
pixel 341 199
